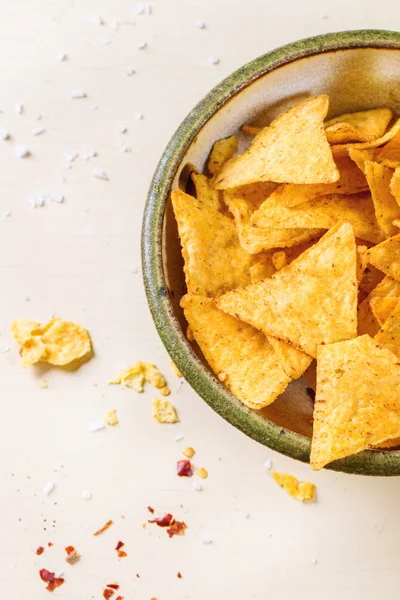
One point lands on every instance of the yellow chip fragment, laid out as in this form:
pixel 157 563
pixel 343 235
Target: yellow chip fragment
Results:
pixel 285 306
pixel 23 329
pixel 164 412
pixel 292 149
pixel 43 383
pixel 140 373
pixel 303 491
pixel 221 152
pixel 386 207
pixel 110 418
pixel 33 351
pixel 279 260
pixel 357 403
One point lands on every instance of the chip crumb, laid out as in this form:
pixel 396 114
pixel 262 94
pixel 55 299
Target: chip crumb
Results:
pixel 189 452
pixel 279 259
pixel 38 130
pixel 22 152
pixel 49 488
pixel 104 528
pixel 136 376
pixel 110 418
pixel 203 473
pixel 77 94
pixel 175 369
pixel 73 555
pixel 43 383
pixel 302 491
pixel 164 412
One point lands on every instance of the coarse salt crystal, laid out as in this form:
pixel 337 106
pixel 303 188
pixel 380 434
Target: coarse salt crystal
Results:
pixel 86 495
pixel 268 464
pixel 200 25
pixel 62 56
pixel 89 153
pixel 123 129
pixel 135 270
pixel 196 485
pixel 205 538
pixel 213 60
pixel 71 156
pixel 36 202
pixel 314 561
pixel 106 42
pixel 143 8
pixel 141 45
pixel 38 116
pixel 129 71
pixel 59 198
pixel 100 174
pixel 94 106
pixel 7 213
pixel 96 426
pixel 114 25
pixel 19 108
pixel 22 151
pixel 178 438
pixel 38 130
pixel 139 116
pixel 76 94
pixel 96 18
pixel 48 488
pixel 59 574
pixel 6 349
pixel 4 135
pixel 245 514
pixel 125 148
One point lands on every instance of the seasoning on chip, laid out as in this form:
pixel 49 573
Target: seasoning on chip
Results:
pixel 341 150
pixel 303 491
pixel 382 308
pixel 221 152
pixel 367 323
pixel 389 335
pixel 136 376
pixel 164 412
pixel 363 126
pixel 386 256
pixel 386 207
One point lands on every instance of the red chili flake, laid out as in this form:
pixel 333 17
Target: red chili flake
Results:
pixel 113 586
pixel 122 554
pixel 184 468
pixel 39 550
pixel 177 528
pixel 164 521
pixel 108 593
pixel 52 581
pixel 150 509
pixel 52 585
pixel 46 575
pixel 50 544
pixel 119 598
pixel 119 545
pixel 69 550
pixel 137 575
pixel 104 528
pixel 179 575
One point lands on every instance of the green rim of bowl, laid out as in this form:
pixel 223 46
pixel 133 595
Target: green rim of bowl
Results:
pixel 203 382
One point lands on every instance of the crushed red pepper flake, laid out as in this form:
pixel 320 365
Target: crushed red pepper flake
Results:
pixel 184 468
pixel 50 544
pixel 108 593
pixel 179 575
pixel 164 521
pixel 39 550
pixel 150 509
pixel 177 528
pixel 119 545
pixel 137 575
pixel 122 554
pixel 52 581
pixel 52 585
pixel 119 598
pixel 69 550
pixel 104 528
pixel 113 586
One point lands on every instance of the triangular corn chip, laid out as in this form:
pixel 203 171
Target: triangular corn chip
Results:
pixel 267 263
pixel 386 207
pixel 367 323
pixel 293 149
pixel 395 186
pixel 242 358
pixel 357 403
pixel 214 259
pixel 362 261
pixel 389 155
pixel 221 152
pixel 323 212
pixel 207 197
pixel 371 278
pixel 382 308
pixel 360 157
pixel 386 256
pixel 341 150
pixel 343 133
pixel 365 125
pixel 285 305
pixel 352 181
pixel 389 335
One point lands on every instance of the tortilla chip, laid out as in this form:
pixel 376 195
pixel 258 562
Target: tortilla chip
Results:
pixel 367 323
pixel 221 152
pixel 164 412
pixel 254 240
pixel 382 308
pixel 323 212
pixel 251 129
pixel 23 329
pixel 362 261
pixel 360 157
pixel 357 403
pixel 389 335
pixel 371 278
pixel 267 263
pixel 214 259
pixel 364 125
pixel 389 155
pixel 395 188
pixel 386 256
pixel 303 491
pixel 207 197
pixel 342 133
pixel 293 149
pixel 341 150
pixel 311 301
pixel 386 207
pixel 240 356
pixel 352 181
pixel 65 342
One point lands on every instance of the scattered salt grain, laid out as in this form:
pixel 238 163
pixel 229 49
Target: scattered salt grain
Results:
pixel 314 561
pixel 21 152
pixel 59 574
pixel 141 45
pixel 196 485
pixel 268 464
pixel 114 25
pixel 36 202
pixel 245 514
pixel 38 116
pixel 38 130
pixel 71 156
pixel 76 94
pixel 100 174
pixel 200 25
pixel 96 426
pixel 178 438
pixel 106 42
pixel 48 488
pixel 139 116
pixel 62 57
pixel 96 18
pixel 86 495
pixel 5 350
pixel 19 108
pixel 59 198
pixel 213 60
pixel 7 213
pixel 324 17
pixel 27 299
pixel 89 153
pixel 143 8
pixel 94 106
pixel 125 148
pixel 123 129
pixel 205 538
pixel 129 71
pixel 4 135
pixel 135 269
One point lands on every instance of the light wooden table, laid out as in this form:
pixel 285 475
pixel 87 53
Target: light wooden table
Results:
pixel 80 260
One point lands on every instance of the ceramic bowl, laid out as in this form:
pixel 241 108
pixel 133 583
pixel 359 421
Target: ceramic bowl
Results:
pixel 359 70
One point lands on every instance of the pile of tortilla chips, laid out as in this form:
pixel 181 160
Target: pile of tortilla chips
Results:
pixel 292 257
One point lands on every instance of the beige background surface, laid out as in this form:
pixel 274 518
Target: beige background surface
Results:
pixel 80 260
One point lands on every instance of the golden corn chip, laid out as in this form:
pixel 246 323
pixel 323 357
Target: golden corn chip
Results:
pixel 389 155
pixel 65 342
pixel 33 350
pixel 357 403
pixel 164 412
pixel 251 129
pixel 365 125
pixel 285 305
pixel 324 213
pixel 254 194
pixel 221 152
pixel 293 149
pixel 342 133
pixel 136 376
pixel 382 308
pixel 303 491
pixel 293 361
pixel 360 157
pixel 341 150
pixel 207 197
pixel 394 443
pixel 279 260
pixel 386 256
pixel 362 261
pixel 214 260
pixel 389 335
pixel 367 323
pixel 352 181
pixel 254 240
pixel 386 207
pixel 23 329
pixel 267 263
pixel 240 356
pixel 395 188
pixel 371 278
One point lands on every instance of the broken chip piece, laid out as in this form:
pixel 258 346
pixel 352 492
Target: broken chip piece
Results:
pixel 164 412
pixel 136 376
pixel 303 491
pixel 221 152
pixel 110 418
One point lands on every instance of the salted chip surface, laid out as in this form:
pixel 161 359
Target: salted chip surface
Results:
pixel 324 213
pixel 303 491
pixel 340 150
pixel 240 356
pixel 357 402
pixel 65 342
pixel 386 256
pixel 136 376
pixel 292 149
pixel 309 302
pixel 386 207
pixel 389 155
pixel 395 186
pixel 382 308
pixel 214 260
pixel 389 335
pixel 221 152
pixel 365 125
pixel 23 329
pixel 351 181
pixel 164 412
pixel 367 323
